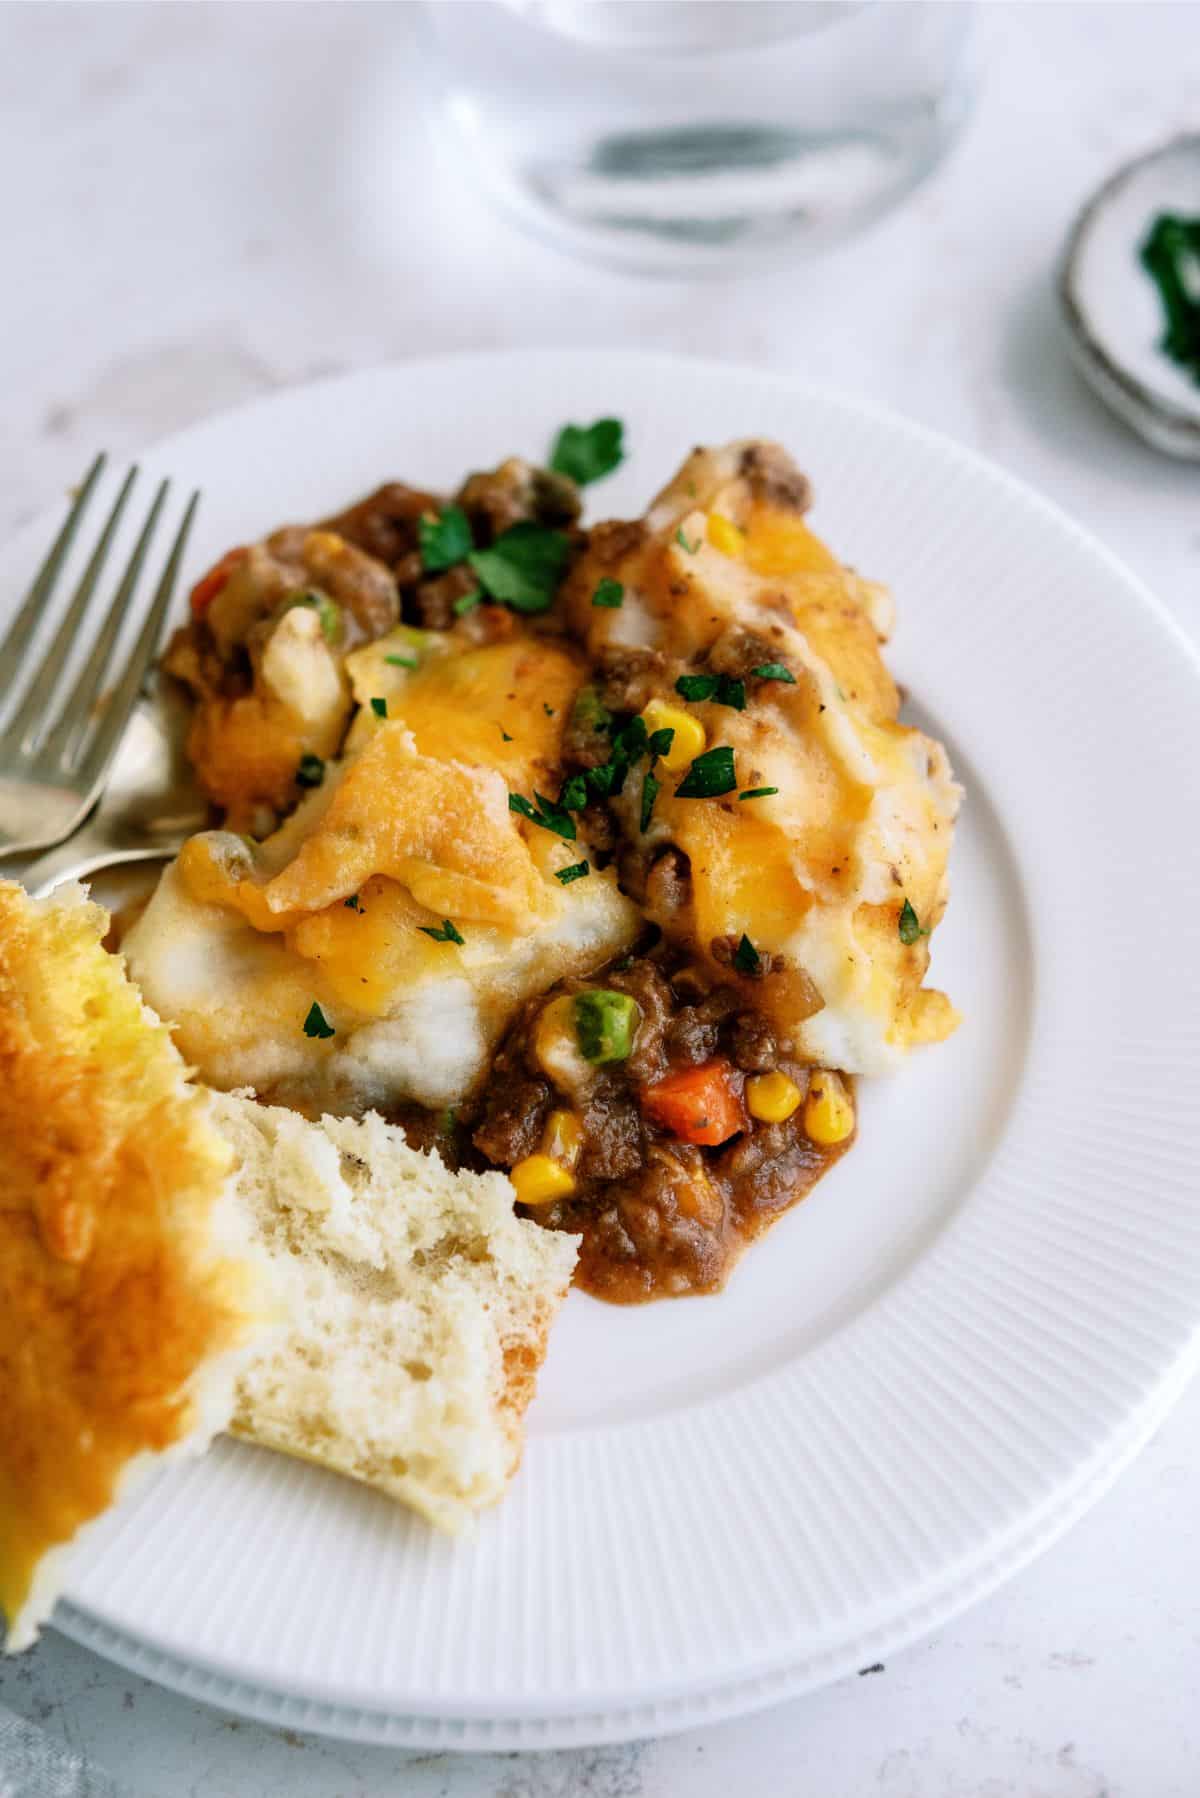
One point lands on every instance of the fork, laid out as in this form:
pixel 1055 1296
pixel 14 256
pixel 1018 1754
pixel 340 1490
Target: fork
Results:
pixel 57 746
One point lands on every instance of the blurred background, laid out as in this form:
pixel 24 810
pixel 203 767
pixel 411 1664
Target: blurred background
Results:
pixel 202 203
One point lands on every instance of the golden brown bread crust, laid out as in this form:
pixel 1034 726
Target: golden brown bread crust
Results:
pixel 111 1295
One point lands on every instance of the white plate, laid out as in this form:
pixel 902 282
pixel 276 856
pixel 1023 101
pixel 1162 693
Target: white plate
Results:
pixel 928 1367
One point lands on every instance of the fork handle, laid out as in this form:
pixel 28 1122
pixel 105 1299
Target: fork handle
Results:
pixel 85 854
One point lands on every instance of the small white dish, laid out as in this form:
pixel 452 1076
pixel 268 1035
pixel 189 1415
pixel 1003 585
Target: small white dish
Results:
pixel 1114 317
pixel 928 1368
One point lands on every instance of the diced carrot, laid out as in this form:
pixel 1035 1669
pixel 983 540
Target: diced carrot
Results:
pixel 209 585
pixel 698 1105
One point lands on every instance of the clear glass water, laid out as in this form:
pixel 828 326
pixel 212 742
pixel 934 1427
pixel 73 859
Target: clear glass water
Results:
pixel 687 135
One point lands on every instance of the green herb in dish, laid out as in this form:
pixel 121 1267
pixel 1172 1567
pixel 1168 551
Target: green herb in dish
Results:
pixel 447 933
pixel 587 452
pixel 379 707
pixel 651 789
pixel 710 775
pixel 576 872
pixel 445 540
pixel 910 926
pixel 1171 257
pixel 311 771
pixel 523 567
pixel 609 595
pixel 774 671
pixel 547 812
pixel 746 958
pixel 317 1024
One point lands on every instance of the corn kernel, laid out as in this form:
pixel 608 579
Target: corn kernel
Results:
pixel 828 1110
pixel 690 736
pixel 771 1097
pixel 562 1138
pixel 539 1180
pixel 725 536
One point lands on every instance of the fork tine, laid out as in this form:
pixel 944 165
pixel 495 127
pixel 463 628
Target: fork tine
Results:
pixel 75 715
pixel 116 716
pixel 23 727
pixel 26 620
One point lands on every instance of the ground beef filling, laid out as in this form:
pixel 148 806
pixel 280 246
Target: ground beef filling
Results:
pixel 659 1217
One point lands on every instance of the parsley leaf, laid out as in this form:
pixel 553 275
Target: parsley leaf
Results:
pixel 758 792
pixel 311 771
pixel 401 661
pixel 659 742
pixel 523 566
pixel 696 686
pixel 574 794
pixel 444 540
pixel 718 687
pixel 774 671
pixel 549 815
pixel 651 789
pixel 910 925
pixel 379 707
pixel 587 452
pixel 609 595
pixel 567 875
pixel 710 775
pixel 316 1023
pixel 746 958
pixel 468 602
pixel 683 543
pixel 353 903
pixel 447 934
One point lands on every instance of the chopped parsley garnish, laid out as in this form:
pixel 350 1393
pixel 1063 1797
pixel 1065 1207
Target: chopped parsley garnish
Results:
pixel 447 933
pixel 468 602
pixel 774 671
pixel 547 813
pixel 574 794
pixel 746 958
pixel 379 707
pixel 311 771
pixel 523 567
pixel 720 688
pixel 576 872
pixel 609 595
pixel 444 540
pixel 683 543
pixel 710 775
pixel 651 789
pixel 758 792
pixel 401 661
pixel 548 709
pixel 504 734
pixel 329 613
pixel 587 452
pixel 353 903
pixel 316 1023
pixel 659 742
pixel 910 925
pixel 1171 257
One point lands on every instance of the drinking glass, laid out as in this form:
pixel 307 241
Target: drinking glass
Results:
pixel 689 135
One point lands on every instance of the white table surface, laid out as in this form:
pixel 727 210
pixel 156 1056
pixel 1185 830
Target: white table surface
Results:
pixel 202 203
